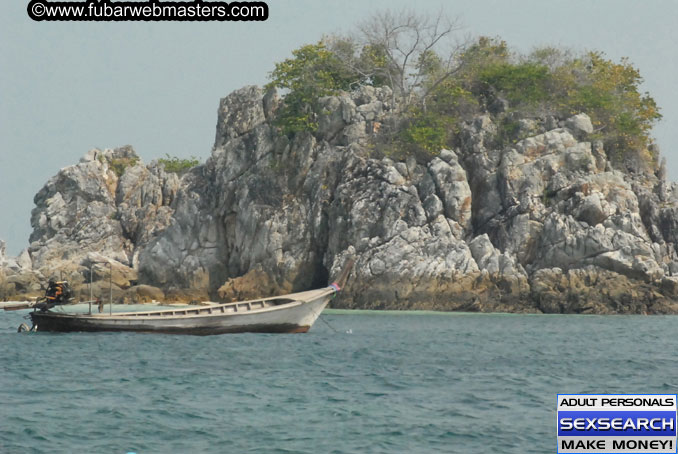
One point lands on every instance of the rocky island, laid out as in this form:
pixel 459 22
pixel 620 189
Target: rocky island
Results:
pixel 517 209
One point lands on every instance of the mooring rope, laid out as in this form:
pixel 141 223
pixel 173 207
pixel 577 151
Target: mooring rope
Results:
pixel 328 324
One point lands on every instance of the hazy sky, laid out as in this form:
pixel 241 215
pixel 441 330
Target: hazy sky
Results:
pixel 69 87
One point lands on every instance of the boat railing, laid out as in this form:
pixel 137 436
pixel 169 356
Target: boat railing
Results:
pixel 237 307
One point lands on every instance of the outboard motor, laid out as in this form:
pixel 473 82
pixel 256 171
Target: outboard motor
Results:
pixel 58 292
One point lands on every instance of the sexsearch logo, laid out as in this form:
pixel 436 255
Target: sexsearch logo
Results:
pixel 617 423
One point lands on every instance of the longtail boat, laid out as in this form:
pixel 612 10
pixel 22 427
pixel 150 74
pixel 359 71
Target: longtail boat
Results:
pixel 293 313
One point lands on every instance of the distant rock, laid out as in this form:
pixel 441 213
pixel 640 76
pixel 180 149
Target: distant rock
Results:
pixel 17 278
pixel 543 224
pixel 102 210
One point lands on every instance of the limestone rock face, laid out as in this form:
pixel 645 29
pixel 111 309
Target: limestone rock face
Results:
pixel 4 288
pixel 239 113
pixel 350 119
pixel 537 225
pixel 547 201
pixel 102 210
pixel 580 125
pixel 17 278
pixel 251 285
pixel 592 290
pixel 468 230
pixel 493 261
pixel 268 206
pixel 451 188
pixel 143 200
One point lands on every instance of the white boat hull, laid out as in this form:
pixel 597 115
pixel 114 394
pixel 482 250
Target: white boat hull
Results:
pixel 293 313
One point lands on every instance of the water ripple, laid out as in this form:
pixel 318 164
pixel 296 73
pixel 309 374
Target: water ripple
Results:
pixel 413 383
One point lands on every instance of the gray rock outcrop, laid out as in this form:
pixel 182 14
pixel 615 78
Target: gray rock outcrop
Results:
pixel 98 214
pixel 475 221
pixel 541 225
pixel 17 278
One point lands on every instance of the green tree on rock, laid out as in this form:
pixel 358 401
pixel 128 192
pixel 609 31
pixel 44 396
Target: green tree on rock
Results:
pixel 313 72
pixel 438 84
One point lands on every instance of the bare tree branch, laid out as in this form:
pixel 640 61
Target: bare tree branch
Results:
pixel 406 39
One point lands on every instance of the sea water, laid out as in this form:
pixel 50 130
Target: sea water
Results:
pixel 358 382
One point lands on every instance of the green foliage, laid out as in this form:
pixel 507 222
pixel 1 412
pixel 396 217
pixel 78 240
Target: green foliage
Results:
pixel 451 99
pixel 119 165
pixel 551 81
pixel 485 52
pixel 174 164
pixel 547 197
pixel 360 64
pixel 609 93
pixel 507 131
pixel 313 72
pixel 433 126
pixel 521 83
pixel 374 66
pixel 489 70
pixel 551 57
pixel 427 132
pixel 547 82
